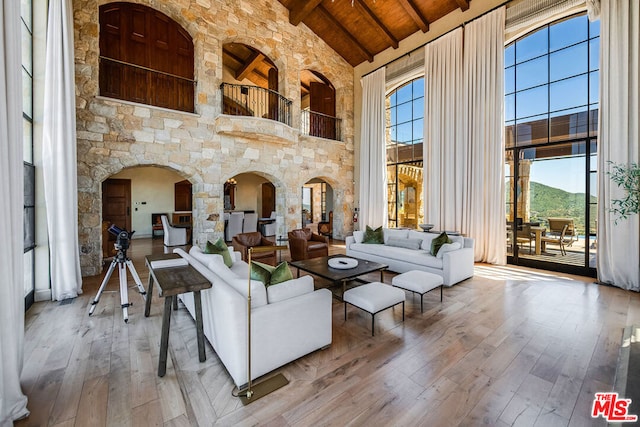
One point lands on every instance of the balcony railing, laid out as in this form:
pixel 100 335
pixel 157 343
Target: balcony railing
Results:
pixel 320 125
pixel 254 101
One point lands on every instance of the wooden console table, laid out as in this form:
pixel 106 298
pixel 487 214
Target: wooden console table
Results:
pixel 173 281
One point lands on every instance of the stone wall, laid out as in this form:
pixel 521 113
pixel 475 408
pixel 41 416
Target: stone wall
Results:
pixel 207 148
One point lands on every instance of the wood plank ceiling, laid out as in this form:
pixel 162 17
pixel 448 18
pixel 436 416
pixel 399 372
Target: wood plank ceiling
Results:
pixel 360 29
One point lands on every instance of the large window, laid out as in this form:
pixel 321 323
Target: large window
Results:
pixel 551 111
pixel 145 57
pixel 404 139
pixel 29 170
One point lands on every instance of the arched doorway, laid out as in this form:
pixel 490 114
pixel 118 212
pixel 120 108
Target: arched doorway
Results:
pixel 253 197
pixel 317 205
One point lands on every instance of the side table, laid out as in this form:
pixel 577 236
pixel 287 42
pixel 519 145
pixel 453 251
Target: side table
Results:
pixel 173 281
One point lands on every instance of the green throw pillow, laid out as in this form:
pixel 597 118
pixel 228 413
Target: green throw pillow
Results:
pixel 219 248
pixel 437 243
pixel 270 275
pixel 373 236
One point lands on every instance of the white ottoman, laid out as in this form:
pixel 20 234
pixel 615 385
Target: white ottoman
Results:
pixel 419 282
pixel 373 298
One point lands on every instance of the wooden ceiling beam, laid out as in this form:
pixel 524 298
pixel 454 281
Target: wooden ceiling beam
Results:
pixel 377 24
pixel 463 4
pixel 415 14
pixel 301 10
pixel 249 65
pixel 334 23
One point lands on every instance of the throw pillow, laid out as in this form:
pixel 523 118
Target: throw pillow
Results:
pixel 447 247
pixel 373 236
pixel 404 243
pixel 437 243
pixel 270 275
pixel 220 248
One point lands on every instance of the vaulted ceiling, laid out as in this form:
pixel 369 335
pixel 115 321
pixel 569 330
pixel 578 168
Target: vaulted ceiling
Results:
pixel 360 29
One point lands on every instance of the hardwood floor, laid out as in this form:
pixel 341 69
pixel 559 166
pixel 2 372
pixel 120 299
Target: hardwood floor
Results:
pixel 510 346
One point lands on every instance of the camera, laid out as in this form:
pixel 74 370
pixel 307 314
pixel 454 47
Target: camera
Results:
pixel 122 237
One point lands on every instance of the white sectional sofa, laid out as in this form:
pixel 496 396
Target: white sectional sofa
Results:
pixel 288 320
pixel 404 253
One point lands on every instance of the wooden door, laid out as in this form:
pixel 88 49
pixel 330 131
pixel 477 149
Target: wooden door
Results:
pixel 274 103
pixel 182 196
pixel 116 209
pixel 322 100
pixel 268 199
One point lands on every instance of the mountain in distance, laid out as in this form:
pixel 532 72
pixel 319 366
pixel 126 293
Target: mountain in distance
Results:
pixel 556 203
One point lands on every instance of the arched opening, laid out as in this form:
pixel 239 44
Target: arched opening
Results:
pixel 318 206
pixel 250 85
pixel 249 205
pixel 134 199
pixel 318 104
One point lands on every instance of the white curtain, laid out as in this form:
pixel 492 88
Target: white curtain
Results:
pixel 13 403
pixel 484 188
pixel 619 137
pixel 373 168
pixel 59 153
pixel 444 145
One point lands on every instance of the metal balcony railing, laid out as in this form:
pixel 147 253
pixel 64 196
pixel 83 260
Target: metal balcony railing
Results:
pixel 320 125
pixel 254 101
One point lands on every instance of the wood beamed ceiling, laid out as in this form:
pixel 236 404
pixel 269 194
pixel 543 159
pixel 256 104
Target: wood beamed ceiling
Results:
pixel 360 29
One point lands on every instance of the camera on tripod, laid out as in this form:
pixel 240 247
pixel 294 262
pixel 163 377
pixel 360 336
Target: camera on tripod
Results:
pixel 122 237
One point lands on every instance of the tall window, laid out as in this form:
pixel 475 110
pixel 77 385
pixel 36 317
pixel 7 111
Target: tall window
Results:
pixel 29 170
pixel 404 136
pixel 145 57
pixel 551 112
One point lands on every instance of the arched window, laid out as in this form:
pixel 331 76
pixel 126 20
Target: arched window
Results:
pixel 145 57
pixel 551 113
pixel 405 129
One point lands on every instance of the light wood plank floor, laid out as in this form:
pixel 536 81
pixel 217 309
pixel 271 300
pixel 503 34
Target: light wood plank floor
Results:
pixel 510 346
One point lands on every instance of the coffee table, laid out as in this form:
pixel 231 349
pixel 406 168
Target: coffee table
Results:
pixel 320 267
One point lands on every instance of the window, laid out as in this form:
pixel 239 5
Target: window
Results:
pixel 404 139
pixel 551 111
pixel 27 139
pixel 145 57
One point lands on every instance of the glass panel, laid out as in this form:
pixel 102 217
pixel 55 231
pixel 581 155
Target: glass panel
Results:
pixel 568 32
pixel 393 98
pixel 409 195
pixel 533 131
pixel 568 124
pixel 393 118
pixel 532 73
pixel 26 50
pixel 532 45
pixel 404 94
pixel 391 195
pixel 404 132
pixel 509 134
pixel 510 80
pixel 29 280
pixel 27 140
pixel 392 153
pixel 29 229
pixel 594 87
pixel 593 120
pixel 532 102
pixel 568 62
pixel 509 107
pixel 594 54
pixel 568 93
pixel 508 174
pixel 594 28
pixel 404 113
pixel 418 88
pixel 510 55
pixel 26 93
pixel 418 108
pixel 29 185
pixel 418 130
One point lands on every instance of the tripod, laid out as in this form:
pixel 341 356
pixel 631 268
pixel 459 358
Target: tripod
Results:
pixel 123 263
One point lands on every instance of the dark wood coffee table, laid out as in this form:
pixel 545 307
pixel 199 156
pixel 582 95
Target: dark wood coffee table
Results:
pixel 320 267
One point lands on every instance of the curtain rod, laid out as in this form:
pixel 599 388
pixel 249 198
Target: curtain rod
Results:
pixel 441 35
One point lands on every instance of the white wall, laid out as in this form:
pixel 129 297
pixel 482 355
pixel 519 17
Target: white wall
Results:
pixel 152 191
pixel 249 192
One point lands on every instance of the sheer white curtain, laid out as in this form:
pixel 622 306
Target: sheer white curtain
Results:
pixel 13 404
pixel 59 153
pixel 484 188
pixel 373 167
pixel 619 137
pixel 444 146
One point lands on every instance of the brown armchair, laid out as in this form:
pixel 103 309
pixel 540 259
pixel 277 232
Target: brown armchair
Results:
pixel 243 241
pixel 304 244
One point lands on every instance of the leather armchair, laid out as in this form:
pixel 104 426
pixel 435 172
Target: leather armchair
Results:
pixel 243 241
pixel 304 244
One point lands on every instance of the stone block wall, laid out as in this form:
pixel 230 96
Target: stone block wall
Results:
pixel 208 148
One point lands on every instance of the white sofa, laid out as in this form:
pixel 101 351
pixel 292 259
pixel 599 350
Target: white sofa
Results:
pixel 288 320
pixel 454 263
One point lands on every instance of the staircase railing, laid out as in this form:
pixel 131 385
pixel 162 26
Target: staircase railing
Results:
pixel 244 100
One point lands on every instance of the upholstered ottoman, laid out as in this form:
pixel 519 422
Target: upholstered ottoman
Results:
pixel 419 282
pixel 373 298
